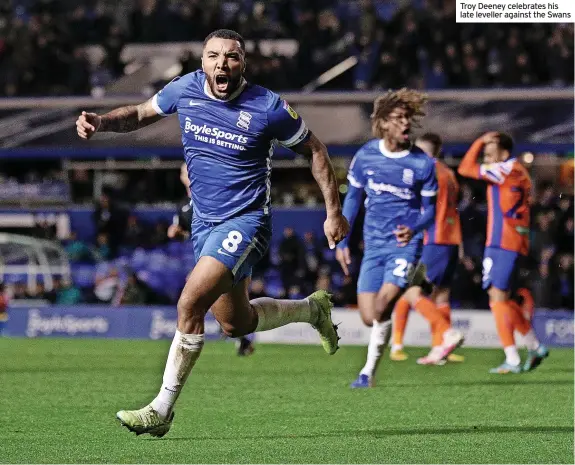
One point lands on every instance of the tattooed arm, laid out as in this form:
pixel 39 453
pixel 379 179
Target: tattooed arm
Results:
pixel 123 119
pixel 336 226
pixel 316 152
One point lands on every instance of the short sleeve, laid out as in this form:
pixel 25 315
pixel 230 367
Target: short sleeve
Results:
pixel 165 102
pixel 285 124
pixel 429 180
pixel 355 174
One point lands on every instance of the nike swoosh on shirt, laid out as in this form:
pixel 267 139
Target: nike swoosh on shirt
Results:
pixel 195 104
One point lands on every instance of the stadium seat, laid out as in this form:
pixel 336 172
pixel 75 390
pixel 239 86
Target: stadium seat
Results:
pixel 274 255
pixel 188 247
pixel 274 288
pixel 125 251
pixel 173 283
pixel 328 255
pixel 153 280
pixel 188 263
pixel 272 274
pixel 138 259
pixel 122 262
pixel 175 248
pixel 13 278
pixel 337 279
pixel 103 268
pixel 83 275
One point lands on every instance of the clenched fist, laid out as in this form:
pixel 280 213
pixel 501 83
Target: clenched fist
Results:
pixel 88 124
pixel 403 234
pixel 335 228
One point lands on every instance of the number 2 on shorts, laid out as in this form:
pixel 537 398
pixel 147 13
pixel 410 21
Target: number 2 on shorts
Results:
pixel 402 268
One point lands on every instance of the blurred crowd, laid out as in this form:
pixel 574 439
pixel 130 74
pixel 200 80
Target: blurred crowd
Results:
pixel 398 42
pixel 132 261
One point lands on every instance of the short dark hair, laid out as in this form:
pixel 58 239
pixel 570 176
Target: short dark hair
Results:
pixel 505 142
pixel 434 139
pixel 226 34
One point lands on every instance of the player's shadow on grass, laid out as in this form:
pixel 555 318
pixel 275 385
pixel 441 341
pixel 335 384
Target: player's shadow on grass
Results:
pixel 509 380
pixel 467 429
pixel 386 432
pixel 563 370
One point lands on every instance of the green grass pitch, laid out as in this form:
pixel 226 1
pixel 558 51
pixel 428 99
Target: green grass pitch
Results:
pixel 285 404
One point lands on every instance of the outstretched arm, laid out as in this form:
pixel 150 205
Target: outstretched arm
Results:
pixel 130 118
pixel 123 119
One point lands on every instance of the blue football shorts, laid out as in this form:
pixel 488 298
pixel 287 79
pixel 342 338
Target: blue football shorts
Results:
pixel 389 264
pixel 440 262
pixel 239 242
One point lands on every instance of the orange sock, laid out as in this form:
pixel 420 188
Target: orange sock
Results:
pixel 528 306
pixel 445 310
pixel 400 313
pixel 436 336
pixel 520 323
pixel 502 313
pixel 428 309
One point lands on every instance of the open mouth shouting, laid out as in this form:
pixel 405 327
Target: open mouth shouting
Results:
pixel 222 82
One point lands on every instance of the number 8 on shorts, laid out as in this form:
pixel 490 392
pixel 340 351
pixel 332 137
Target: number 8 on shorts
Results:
pixel 232 242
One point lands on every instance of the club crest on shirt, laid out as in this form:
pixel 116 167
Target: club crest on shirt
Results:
pixel 244 120
pixel 408 177
pixel 290 110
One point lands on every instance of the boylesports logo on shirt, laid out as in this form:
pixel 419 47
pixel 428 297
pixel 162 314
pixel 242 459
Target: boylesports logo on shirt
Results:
pixel 215 135
pixel 380 187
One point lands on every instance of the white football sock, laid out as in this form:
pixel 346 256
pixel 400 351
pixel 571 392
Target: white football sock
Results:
pixel 184 352
pixel 395 347
pixel 380 335
pixel 511 355
pixel 273 313
pixel 531 341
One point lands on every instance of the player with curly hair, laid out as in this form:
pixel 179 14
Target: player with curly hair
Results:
pixel 400 183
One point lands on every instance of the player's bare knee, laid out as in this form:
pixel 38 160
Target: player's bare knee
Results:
pixel 185 305
pixel 497 295
pixel 190 316
pixel 383 307
pixel 228 329
pixel 441 295
pixel 366 302
pixel 191 324
pixel 232 330
pixel 367 320
pixel 412 295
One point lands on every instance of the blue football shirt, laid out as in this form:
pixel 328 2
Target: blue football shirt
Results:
pixel 228 144
pixel 395 183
